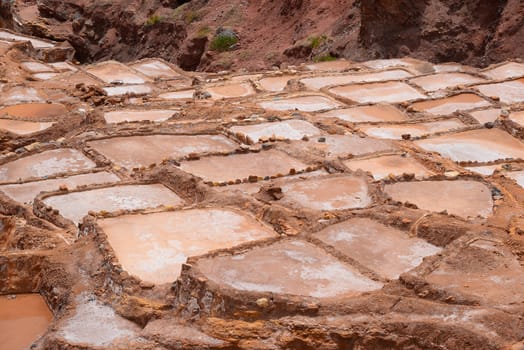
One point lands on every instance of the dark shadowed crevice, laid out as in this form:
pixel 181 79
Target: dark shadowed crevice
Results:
pixel 6 18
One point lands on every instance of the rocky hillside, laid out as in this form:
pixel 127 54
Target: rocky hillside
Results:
pixel 217 34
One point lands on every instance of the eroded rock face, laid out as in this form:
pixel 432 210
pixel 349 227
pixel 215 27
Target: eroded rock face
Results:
pixel 475 32
pixel 112 30
pixel 385 25
pixel 191 54
pixel 438 30
pixel 6 18
pixel 510 29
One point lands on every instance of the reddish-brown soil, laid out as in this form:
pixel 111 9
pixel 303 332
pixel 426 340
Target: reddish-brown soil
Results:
pixel 276 33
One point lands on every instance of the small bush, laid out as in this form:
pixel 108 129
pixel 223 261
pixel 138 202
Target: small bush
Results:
pixel 192 16
pixel 316 41
pixel 325 58
pixel 155 19
pixel 223 42
pixel 203 31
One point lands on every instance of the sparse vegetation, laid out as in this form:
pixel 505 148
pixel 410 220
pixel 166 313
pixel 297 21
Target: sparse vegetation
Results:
pixel 272 55
pixel 154 19
pixel 325 58
pixel 316 41
pixel 203 31
pixel 223 42
pixel 233 17
pixel 187 14
pixel 179 11
pixel 192 16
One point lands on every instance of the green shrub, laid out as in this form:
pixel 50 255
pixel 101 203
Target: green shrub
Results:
pixel 223 42
pixel 325 58
pixel 155 19
pixel 316 41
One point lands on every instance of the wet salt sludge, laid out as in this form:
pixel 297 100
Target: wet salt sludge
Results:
pixel 23 319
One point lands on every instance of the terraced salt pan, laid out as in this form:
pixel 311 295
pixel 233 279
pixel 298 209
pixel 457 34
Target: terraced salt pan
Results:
pixel 508 92
pixel 75 205
pixel 344 145
pixel 312 103
pixel 45 164
pixel 383 167
pixel 289 129
pixel 36 67
pixel 450 68
pixel 296 268
pixel 390 92
pixel 253 188
pixel 505 71
pixel 486 115
pixel 484 145
pixel 373 113
pixel 517 117
pixel 230 91
pixel 20 127
pixel 450 105
pixel 20 94
pixel 26 192
pixel 445 80
pixel 241 166
pixel 497 278
pixel 330 66
pixel 460 197
pixel 94 324
pixel 37 44
pixel 420 66
pixel 128 89
pixel 155 115
pixel 317 83
pixel 110 72
pixel 154 246
pixel 23 319
pixel 45 76
pixel 34 110
pixel 246 77
pixel 518 176
pixel 335 193
pixel 177 95
pixel 385 250
pixel 72 79
pixel 137 151
pixel 155 69
pixel 487 170
pixel 395 132
pixel 275 83
pixel 63 66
